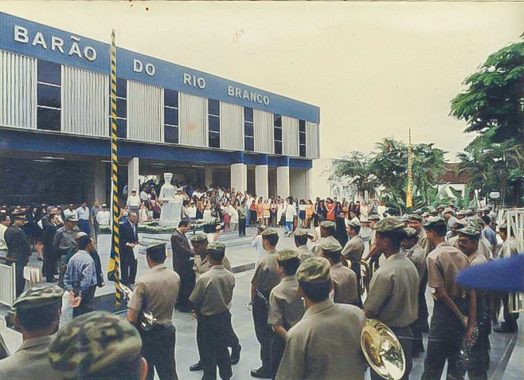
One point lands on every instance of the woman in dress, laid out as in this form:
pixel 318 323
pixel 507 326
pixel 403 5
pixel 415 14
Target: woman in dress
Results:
pixel 310 210
pixel 266 212
pixel 260 212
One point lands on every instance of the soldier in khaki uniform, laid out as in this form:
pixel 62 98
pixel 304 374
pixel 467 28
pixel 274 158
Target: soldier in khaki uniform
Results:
pixel 415 222
pixel 393 291
pixel 199 242
pixel 373 255
pixel 157 290
pixel 345 287
pixel 325 343
pixel 285 305
pixel 354 249
pixel 37 312
pixel 95 346
pixel 478 364
pixel 327 233
pixel 263 282
pixel 211 300
pixel 301 237
pixel 454 311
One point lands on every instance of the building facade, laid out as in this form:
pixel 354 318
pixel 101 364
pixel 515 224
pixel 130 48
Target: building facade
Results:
pixel 55 122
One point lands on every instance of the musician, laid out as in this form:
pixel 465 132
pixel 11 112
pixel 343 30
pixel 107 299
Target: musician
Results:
pixel 211 301
pixel 325 343
pixel 156 290
pixel 478 364
pixel 285 304
pixel 128 241
pixel 454 311
pixel 183 265
pixel 264 280
pixel 393 291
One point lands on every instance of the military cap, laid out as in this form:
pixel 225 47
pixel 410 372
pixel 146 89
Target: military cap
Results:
pixel 470 212
pixel 389 224
pixel 301 232
pixel 448 209
pixel 461 213
pixel 314 269
pixel 80 235
pixel 418 211
pixel 71 218
pixel 330 246
pixel 286 255
pixel 459 223
pixel 157 247
pixel 410 232
pixel 441 206
pixel 425 214
pixel 38 296
pixel 269 232
pixel 354 222
pixel 403 218
pixel 476 225
pixel 198 238
pixel 477 220
pixel 415 218
pixel 94 344
pixel 374 217
pixel 328 224
pixel 435 222
pixel 432 210
pixel 469 230
pixel 216 246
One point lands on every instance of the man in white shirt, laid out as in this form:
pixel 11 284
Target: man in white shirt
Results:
pixel 82 213
pixel 133 201
pixel 5 221
pixel 103 217
pixel 290 212
pixel 257 243
pixel 69 211
pixel 144 197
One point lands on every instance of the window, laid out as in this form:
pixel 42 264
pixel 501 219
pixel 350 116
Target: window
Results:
pixel 49 99
pixel 171 116
pixel 302 138
pixel 249 141
pixel 121 108
pixel 278 134
pixel 213 117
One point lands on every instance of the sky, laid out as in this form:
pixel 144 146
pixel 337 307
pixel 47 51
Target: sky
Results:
pixel 375 69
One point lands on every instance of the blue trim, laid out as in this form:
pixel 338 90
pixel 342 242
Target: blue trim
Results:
pixel 167 75
pixel 19 140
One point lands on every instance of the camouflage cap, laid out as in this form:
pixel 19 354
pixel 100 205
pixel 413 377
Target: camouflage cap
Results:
pixel 327 224
pixel 94 344
pixel 390 224
pixel 469 230
pixel 476 225
pixel 448 209
pixel 374 217
pixel 269 232
pixel 216 246
pixel 198 238
pixel 314 269
pixel 411 232
pixel 462 213
pixel 330 246
pixel 38 296
pixel 415 218
pixel 459 223
pixel 354 222
pixel 441 206
pixel 435 222
pixel 286 255
pixel 300 232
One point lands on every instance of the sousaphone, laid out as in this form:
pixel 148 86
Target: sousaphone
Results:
pixel 382 350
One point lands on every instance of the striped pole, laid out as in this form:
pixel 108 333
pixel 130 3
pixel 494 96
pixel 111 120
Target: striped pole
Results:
pixel 409 192
pixel 114 265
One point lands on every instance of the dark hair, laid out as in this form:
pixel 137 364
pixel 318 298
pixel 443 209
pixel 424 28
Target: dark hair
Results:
pixel 38 318
pixel 300 240
pixel 486 219
pixel 335 257
pixel 317 291
pixel 83 242
pixel 217 256
pixel 290 266
pixel 330 230
pixel 157 255
pixel 271 239
pixel 440 229
pixel 394 237
pixel 356 229
pixel 183 223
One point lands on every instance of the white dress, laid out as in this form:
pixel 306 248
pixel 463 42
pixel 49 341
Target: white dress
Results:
pixel 171 211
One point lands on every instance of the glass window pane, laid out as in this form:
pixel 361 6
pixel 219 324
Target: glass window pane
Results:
pixel 302 126
pixel 121 108
pixel 121 126
pixel 171 116
pixel 213 107
pixel 170 98
pixel 278 121
pixel 302 138
pixel 278 147
pixel 248 114
pixel 214 140
pixel 48 119
pixel 121 87
pixel 214 124
pixel 171 134
pixel 302 151
pixel 49 72
pixel 248 129
pixel 249 143
pixel 48 96
pixel 278 134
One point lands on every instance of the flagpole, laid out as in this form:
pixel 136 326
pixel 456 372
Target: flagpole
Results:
pixel 409 192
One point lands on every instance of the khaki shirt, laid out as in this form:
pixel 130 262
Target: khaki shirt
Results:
pixel 443 264
pixel 344 284
pixel 477 258
pixel 304 253
pixel 285 305
pixel 354 249
pixel 202 265
pixel 266 276
pixel 484 246
pixel 417 255
pixel 157 289
pixel 393 292
pixel 316 248
pixel 509 248
pixel 423 240
pixel 213 291
pixel 30 361
pixel 325 345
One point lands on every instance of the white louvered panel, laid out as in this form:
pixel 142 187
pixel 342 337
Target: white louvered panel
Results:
pixel 289 136
pixel 312 140
pixel 85 102
pixel 231 126
pixel 263 131
pixel 17 90
pixel 193 120
pixel 145 112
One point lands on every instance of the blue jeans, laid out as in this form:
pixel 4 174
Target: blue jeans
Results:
pixel 289 226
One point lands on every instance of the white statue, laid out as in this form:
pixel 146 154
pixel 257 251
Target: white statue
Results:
pixel 171 212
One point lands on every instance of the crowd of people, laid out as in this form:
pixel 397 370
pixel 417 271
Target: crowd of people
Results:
pixel 309 304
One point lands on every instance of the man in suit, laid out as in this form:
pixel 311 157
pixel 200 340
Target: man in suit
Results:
pixel 183 265
pixel 128 241
pixel 18 249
